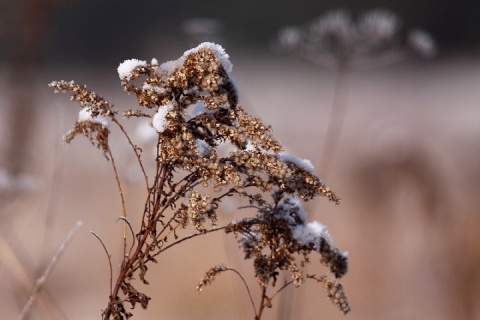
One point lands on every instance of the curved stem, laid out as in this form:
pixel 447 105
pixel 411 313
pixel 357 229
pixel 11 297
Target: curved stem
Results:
pixel 286 284
pixel 136 266
pixel 131 230
pixel 109 260
pixel 187 238
pixel 135 150
pixel 122 199
pixel 246 287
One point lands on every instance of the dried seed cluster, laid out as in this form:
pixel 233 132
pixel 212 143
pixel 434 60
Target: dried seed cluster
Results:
pixel 336 294
pixel 92 122
pixel 279 238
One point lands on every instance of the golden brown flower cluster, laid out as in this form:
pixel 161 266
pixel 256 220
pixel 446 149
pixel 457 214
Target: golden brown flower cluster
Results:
pixel 337 295
pixel 92 122
pixel 279 235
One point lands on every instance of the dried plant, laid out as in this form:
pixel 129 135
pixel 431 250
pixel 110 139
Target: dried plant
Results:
pixel 193 105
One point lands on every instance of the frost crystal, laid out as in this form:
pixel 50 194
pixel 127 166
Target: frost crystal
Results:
pixel 220 53
pixel 195 110
pixel 311 233
pixel 158 90
pixel 169 66
pixel 303 163
pixel 125 69
pixel 159 120
pixel 293 204
pixel 86 115
pixel 203 147
pixel 145 133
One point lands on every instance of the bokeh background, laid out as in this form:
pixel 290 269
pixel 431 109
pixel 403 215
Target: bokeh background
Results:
pixel 407 164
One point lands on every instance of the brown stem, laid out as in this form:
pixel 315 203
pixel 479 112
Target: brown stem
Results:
pixel 128 263
pixel 122 199
pixel 246 287
pixel 109 259
pixel 187 238
pixel 264 302
pixel 286 284
pixel 135 149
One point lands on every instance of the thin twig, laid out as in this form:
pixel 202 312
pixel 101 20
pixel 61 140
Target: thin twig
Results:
pixel 286 284
pixel 131 230
pixel 135 149
pixel 246 287
pixel 109 260
pixel 41 280
pixel 258 315
pixel 122 199
pixel 189 237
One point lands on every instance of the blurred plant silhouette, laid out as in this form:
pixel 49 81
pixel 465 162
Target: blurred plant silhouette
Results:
pixel 334 40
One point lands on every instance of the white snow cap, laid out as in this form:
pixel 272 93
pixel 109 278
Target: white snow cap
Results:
pixel 86 115
pixel 158 90
pixel 303 163
pixel 289 204
pixel 159 120
pixel 220 53
pixel 125 69
pixel 169 66
pixel 145 133
pixel 194 110
pixel 203 147
pixel 311 233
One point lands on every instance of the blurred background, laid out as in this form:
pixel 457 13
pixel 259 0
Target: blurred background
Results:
pixel 406 162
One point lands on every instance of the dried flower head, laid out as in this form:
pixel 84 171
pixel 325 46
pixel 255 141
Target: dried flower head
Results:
pixel 334 292
pixel 92 119
pixel 278 233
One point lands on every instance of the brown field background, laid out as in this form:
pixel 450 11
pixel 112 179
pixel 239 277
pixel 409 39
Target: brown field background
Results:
pixel 407 169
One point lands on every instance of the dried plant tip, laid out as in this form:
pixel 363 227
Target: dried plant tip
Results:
pixel 332 257
pixel 95 132
pixel 95 104
pixel 336 294
pixel 210 276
